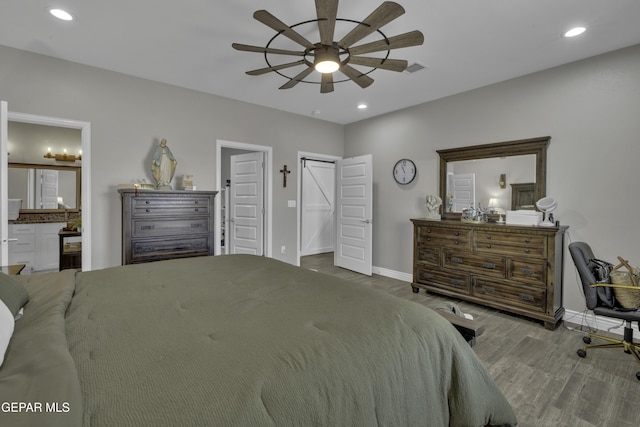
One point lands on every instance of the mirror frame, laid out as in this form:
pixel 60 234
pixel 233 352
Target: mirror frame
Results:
pixel 76 169
pixel 536 146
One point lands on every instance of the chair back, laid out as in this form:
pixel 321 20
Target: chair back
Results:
pixel 582 254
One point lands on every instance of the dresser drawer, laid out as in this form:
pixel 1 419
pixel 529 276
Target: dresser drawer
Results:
pixel 511 244
pixel 460 283
pixel 527 297
pixel 156 249
pixel 445 237
pixel 428 255
pixel 530 271
pixel 167 227
pixel 150 206
pixel 485 265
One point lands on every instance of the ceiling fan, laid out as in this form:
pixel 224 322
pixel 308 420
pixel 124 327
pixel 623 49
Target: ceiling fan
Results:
pixel 328 56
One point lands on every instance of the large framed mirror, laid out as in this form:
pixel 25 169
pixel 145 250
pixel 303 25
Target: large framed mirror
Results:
pixel 45 188
pixel 493 176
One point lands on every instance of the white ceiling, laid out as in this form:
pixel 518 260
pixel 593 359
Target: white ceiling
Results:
pixel 468 44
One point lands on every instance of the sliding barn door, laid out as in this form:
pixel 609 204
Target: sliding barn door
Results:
pixel 318 207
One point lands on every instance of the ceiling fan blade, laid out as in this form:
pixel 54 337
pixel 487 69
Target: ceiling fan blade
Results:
pixel 360 79
pixel 271 21
pixel 412 38
pixel 295 80
pixel 326 85
pixel 274 68
pixel 385 64
pixel 327 10
pixel 249 48
pixel 385 13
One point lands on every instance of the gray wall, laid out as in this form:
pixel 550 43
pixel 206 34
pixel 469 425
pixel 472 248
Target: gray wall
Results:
pixel 590 109
pixel 130 115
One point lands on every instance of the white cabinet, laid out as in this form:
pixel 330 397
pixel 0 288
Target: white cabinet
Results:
pixel 36 246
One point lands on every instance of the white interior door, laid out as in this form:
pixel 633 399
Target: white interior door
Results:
pixel 246 204
pixel 354 214
pixel 49 186
pixel 4 189
pixel 318 207
pixel 463 189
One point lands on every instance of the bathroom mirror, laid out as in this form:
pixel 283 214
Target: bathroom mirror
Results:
pixel 526 156
pixel 45 188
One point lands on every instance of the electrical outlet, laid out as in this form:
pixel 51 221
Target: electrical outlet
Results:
pixel 283 249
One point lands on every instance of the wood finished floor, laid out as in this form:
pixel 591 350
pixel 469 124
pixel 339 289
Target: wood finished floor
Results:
pixel 538 370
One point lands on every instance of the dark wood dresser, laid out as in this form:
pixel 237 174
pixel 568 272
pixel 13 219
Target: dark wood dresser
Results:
pixel 517 269
pixel 158 225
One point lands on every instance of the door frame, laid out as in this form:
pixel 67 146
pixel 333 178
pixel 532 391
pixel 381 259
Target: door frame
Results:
pixel 302 154
pixel 85 136
pixel 268 191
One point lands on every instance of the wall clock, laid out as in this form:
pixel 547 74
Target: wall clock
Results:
pixel 404 171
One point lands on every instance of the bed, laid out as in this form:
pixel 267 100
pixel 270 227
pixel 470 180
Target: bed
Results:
pixel 236 340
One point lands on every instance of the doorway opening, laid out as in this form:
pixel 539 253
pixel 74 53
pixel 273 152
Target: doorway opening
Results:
pixel 62 202
pixel 244 206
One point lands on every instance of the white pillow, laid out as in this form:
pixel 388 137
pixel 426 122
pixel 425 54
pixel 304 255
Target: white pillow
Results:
pixel 7 324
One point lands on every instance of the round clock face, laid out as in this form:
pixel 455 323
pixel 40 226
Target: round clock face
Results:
pixel 404 171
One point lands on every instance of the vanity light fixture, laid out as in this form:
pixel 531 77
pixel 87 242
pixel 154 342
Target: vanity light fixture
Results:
pixel 64 157
pixel 503 180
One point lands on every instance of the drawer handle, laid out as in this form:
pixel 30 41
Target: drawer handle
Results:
pixel 488 246
pixel 196 225
pixel 148 227
pixel 526 251
pixel 428 239
pixel 457 233
pixel 489 237
pixel 147 210
pixel 527 271
pixel 427 276
pixel 456 242
pixel 527 241
pixel 456 282
pixel 488 289
pixel 457 260
pixel 427 256
pixel 527 297
pixel 147 201
pixel 489 265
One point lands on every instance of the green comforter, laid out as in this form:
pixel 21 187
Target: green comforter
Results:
pixel 241 340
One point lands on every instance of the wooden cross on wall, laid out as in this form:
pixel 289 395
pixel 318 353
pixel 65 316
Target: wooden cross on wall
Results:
pixel 284 172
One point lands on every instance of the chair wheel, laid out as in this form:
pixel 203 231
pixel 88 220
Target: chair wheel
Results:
pixel 583 353
pixel 586 340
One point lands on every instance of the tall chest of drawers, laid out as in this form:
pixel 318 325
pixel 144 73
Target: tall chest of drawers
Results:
pixel 158 225
pixel 512 268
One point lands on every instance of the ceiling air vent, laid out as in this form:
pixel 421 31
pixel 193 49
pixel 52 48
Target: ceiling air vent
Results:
pixel 416 66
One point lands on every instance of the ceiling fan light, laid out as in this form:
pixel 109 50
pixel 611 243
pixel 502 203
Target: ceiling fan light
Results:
pixel 326 60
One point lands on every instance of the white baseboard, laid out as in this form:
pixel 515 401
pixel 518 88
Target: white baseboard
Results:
pixel 398 275
pixel 575 317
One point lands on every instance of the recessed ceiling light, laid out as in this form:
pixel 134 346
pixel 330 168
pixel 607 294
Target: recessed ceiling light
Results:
pixel 61 14
pixel 576 31
pixel 362 106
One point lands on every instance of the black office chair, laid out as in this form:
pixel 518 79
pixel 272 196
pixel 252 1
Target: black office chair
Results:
pixel 582 256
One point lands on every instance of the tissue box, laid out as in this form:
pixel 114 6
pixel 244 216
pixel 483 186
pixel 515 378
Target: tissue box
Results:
pixel 523 217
